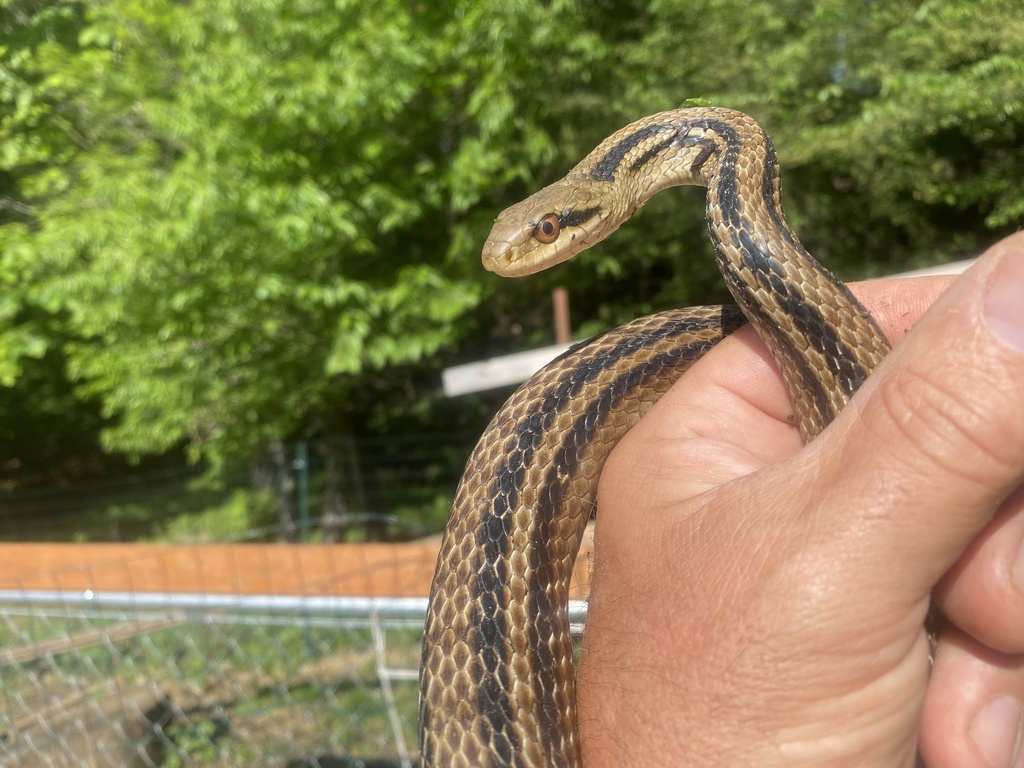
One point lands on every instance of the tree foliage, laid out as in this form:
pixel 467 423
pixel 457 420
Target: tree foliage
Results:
pixel 229 222
pixel 235 210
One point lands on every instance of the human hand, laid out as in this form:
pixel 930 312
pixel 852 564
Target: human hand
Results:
pixel 756 602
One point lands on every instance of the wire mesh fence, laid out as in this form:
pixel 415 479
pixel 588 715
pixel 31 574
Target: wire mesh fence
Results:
pixel 197 680
pixel 133 679
pixel 254 654
pixel 244 654
pixel 247 652
pixel 330 489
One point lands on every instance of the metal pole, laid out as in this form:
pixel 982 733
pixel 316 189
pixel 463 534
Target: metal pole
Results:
pixel 302 467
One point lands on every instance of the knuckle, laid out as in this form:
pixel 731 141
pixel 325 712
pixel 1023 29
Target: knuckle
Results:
pixel 951 428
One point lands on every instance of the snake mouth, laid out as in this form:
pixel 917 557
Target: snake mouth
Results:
pixel 496 257
pixel 506 259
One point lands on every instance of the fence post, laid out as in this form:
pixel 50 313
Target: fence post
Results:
pixel 302 468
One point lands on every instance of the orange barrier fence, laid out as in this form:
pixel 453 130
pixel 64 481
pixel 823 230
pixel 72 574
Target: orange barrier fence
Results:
pixel 376 570
pixel 372 570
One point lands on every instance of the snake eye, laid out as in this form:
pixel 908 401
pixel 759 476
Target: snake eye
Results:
pixel 547 229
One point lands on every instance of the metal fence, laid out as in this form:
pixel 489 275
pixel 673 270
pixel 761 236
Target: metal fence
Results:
pixel 183 656
pixel 194 680
pixel 135 679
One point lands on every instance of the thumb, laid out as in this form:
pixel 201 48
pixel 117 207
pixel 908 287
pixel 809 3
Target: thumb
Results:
pixel 944 418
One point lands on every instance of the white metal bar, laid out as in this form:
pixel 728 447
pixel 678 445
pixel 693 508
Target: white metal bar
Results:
pixel 384 678
pixel 383 607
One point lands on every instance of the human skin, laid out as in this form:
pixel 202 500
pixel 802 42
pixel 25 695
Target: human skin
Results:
pixel 756 602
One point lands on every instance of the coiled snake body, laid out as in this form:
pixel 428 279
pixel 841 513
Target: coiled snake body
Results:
pixel 497 678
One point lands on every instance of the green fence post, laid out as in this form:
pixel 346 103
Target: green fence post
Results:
pixel 302 465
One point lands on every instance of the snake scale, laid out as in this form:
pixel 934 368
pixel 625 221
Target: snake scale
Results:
pixel 497 677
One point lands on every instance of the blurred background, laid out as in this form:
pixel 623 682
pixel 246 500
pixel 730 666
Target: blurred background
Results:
pixel 239 242
pixel 228 229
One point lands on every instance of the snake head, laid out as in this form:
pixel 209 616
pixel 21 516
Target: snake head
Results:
pixel 543 230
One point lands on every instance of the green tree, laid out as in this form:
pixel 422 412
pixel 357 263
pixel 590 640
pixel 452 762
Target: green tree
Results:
pixel 231 222
pixel 238 212
pixel 898 123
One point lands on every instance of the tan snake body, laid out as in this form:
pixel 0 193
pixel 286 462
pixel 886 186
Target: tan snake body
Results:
pixel 497 677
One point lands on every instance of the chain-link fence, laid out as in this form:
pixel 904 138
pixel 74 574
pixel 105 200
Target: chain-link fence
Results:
pixel 330 489
pixel 206 654
pixel 135 679
pixel 189 679
pixel 233 654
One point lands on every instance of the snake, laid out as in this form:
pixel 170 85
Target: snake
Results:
pixel 497 680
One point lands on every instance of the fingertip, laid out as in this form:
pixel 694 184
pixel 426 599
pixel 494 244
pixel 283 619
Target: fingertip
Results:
pixel 973 714
pixel 1003 309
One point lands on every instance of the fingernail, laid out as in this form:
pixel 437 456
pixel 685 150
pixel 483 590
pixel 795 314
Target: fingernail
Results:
pixel 1004 303
pixel 1018 568
pixel 997 731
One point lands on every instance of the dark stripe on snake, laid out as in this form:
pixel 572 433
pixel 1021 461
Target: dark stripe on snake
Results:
pixel 729 185
pixel 707 151
pixel 805 317
pixel 575 218
pixel 765 265
pixel 493 536
pixel 605 168
pixel 653 151
pixel 551 617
